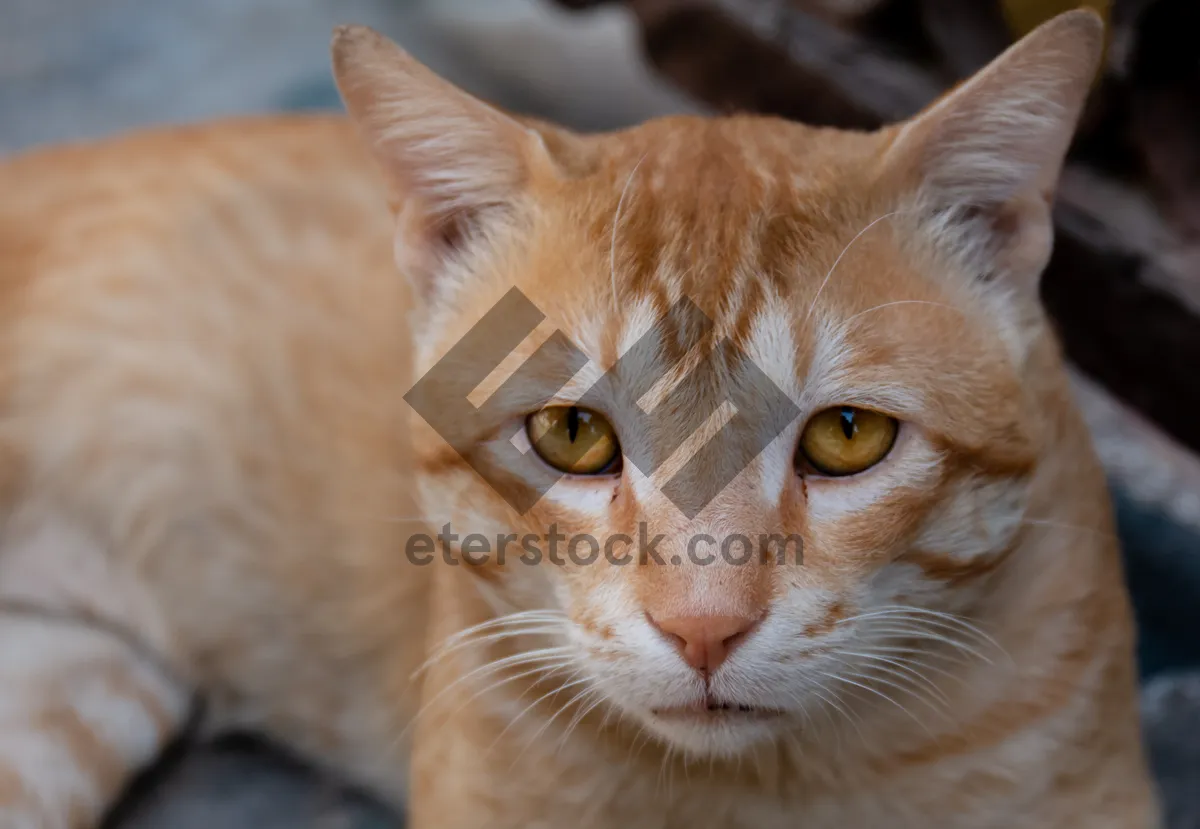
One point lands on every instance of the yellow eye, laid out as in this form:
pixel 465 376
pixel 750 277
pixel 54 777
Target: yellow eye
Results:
pixel 574 440
pixel 845 440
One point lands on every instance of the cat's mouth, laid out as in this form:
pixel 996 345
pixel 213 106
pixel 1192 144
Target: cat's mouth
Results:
pixel 713 711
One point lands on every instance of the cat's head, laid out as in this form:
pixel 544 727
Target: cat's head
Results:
pixel 797 357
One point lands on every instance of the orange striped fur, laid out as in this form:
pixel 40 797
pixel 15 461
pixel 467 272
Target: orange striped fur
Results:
pixel 210 475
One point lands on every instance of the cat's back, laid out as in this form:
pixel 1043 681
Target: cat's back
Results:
pixel 203 348
pixel 198 325
pixel 262 186
pixel 229 239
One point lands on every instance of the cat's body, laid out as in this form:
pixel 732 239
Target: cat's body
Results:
pixel 205 344
pixel 188 316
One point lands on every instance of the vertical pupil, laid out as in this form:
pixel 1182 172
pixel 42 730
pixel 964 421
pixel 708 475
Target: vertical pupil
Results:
pixel 848 425
pixel 572 423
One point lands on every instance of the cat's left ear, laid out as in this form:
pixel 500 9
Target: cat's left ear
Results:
pixel 989 154
pixel 447 156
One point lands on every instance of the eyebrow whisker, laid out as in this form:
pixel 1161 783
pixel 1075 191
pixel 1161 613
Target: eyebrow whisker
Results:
pixel 853 317
pixel 837 261
pixel 612 247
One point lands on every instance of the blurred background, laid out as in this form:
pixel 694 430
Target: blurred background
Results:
pixel 1123 287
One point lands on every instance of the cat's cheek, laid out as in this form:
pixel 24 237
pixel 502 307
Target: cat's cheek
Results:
pixel 979 518
pixel 903 583
pixel 961 541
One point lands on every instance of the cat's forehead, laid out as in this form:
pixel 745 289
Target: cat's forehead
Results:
pixel 717 179
pixel 709 207
pixel 743 216
pixel 742 157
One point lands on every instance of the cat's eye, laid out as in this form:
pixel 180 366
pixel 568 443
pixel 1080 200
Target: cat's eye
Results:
pixel 845 440
pixel 574 440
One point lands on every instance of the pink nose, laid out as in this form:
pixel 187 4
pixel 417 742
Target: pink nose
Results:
pixel 705 641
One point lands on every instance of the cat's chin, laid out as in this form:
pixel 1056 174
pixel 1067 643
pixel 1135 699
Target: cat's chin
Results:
pixel 723 732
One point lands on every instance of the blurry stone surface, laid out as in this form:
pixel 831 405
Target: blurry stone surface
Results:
pixel 1171 715
pixel 240 783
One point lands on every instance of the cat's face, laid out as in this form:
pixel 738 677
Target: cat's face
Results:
pixel 778 505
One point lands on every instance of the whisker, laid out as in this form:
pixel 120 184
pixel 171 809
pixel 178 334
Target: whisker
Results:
pixel 837 261
pixel 878 693
pixel 517 660
pixel 582 696
pixel 502 621
pixel 911 657
pixel 442 653
pixel 933 618
pixel 612 247
pixel 545 665
pixel 951 618
pixel 932 622
pixel 558 689
pixel 837 705
pixel 487 689
pixel 846 322
pixel 662 767
pixel 579 716
pixel 905 669
pixel 1040 522
pixel 906 690
pixel 920 633
pixel 638 744
pixel 507 619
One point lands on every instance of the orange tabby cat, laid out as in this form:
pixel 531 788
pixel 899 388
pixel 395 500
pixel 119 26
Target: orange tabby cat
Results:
pixel 211 489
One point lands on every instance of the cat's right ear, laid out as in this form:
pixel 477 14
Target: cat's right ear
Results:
pixel 448 157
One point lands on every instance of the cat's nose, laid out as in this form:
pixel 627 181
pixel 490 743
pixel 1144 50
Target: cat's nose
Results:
pixel 705 641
